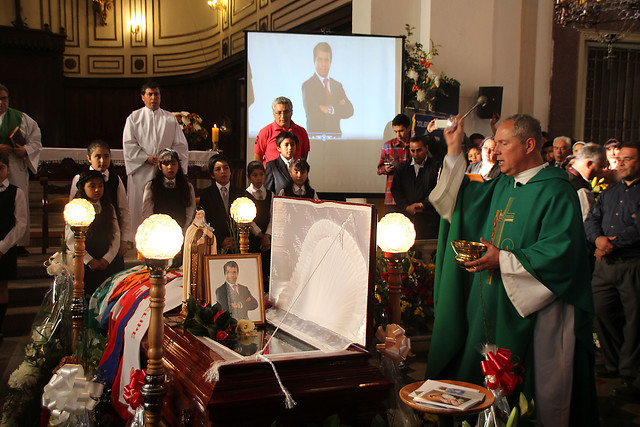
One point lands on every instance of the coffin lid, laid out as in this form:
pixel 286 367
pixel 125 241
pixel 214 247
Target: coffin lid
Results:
pixel 322 264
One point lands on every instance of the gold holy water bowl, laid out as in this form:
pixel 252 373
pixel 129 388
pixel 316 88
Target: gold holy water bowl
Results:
pixel 467 251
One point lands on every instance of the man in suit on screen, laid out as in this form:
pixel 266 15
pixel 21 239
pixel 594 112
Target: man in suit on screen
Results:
pixel 325 101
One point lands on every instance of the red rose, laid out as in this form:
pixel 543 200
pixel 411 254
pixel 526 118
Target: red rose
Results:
pixel 423 291
pixel 384 275
pixel 429 300
pixel 215 317
pixel 404 278
pixel 221 336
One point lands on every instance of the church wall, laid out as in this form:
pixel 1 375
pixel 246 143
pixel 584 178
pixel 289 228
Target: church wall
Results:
pixel 174 38
pixel 490 43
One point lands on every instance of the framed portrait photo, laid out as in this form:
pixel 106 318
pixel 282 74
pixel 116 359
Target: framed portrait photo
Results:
pixel 235 281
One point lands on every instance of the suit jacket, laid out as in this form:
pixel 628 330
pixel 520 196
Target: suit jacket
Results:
pixel 407 188
pixel 277 175
pixel 314 94
pixel 225 296
pixel 216 215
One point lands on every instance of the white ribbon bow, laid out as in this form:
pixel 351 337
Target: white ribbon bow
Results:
pixel 68 392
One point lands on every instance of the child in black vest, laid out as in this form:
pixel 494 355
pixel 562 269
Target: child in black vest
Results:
pixel 299 187
pixel 260 238
pixel 169 192
pixel 13 223
pixel 103 236
pixel 99 157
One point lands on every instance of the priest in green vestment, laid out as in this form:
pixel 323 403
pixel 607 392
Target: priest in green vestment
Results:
pixel 24 155
pixel 530 293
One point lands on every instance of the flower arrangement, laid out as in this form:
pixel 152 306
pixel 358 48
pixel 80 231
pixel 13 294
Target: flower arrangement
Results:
pixel 421 83
pixel 191 125
pixel 416 301
pixel 50 347
pixel 210 321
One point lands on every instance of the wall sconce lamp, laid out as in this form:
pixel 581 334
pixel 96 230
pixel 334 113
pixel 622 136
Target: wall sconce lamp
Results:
pixel 159 238
pixel 396 234
pixel 217 4
pixel 102 8
pixel 135 23
pixel 243 211
pixel 79 214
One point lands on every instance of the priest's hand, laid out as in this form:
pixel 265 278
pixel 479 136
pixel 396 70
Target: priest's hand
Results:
pixel 490 260
pixel 454 135
pixel 152 160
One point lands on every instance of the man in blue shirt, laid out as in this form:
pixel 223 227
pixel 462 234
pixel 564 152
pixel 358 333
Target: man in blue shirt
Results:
pixel 612 225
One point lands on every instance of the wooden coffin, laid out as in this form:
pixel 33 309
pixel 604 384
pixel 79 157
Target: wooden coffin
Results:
pixel 322 285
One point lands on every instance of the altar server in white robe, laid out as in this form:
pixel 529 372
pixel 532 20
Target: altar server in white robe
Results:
pixel 22 158
pixel 148 131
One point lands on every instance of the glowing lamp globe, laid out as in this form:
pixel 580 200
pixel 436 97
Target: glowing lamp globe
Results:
pixel 79 213
pixel 159 237
pixel 396 233
pixel 243 210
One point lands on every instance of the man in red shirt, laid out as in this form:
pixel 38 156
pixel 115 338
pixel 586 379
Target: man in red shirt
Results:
pixel 265 148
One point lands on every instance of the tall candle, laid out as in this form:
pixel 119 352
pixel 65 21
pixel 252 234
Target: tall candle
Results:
pixel 215 135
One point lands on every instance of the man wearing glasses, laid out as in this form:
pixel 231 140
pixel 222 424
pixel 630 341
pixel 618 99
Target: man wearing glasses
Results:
pixel 612 225
pixel 265 148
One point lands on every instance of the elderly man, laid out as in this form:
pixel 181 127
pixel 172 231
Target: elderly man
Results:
pixel 587 165
pixel 20 140
pixel 612 225
pixel 148 131
pixel 528 293
pixel 561 150
pixel 324 98
pixel 265 148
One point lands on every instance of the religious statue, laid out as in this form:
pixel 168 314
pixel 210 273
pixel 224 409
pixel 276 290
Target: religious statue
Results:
pixel 199 241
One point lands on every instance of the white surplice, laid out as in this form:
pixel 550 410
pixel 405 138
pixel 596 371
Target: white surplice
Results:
pixel 146 133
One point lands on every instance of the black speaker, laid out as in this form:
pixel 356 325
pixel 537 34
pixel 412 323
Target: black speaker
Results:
pixel 448 103
pixel 494 103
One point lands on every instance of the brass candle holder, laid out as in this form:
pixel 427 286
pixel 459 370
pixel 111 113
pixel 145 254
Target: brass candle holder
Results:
pixel 243 211
pixel 396 234
pixel 158 239
pixel 79 214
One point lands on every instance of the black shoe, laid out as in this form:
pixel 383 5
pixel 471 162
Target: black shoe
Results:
pixel 602 372
pixel 627 392
pixel 22 251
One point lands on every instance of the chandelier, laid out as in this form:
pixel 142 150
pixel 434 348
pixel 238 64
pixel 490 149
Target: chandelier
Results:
pixel 589 14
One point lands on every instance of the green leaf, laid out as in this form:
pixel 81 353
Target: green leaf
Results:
pixel 532 408
pixel 523 403
pixel 513 418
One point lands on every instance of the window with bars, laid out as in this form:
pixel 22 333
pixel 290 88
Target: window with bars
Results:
pixel 612 99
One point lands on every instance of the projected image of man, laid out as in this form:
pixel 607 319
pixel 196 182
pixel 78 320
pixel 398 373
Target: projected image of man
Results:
pixel 325 101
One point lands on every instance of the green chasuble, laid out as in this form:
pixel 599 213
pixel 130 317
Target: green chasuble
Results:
pixel 12 119
pixel 541 224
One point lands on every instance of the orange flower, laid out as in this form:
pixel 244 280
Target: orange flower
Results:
pixel 415 88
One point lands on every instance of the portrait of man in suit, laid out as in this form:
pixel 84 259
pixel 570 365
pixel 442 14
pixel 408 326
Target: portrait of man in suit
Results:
pixel 234 297
pixel 324 98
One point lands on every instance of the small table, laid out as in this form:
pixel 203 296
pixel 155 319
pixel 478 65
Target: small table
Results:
pixel 446 416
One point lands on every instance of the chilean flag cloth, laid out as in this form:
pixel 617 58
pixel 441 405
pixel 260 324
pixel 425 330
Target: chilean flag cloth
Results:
pixel 125 308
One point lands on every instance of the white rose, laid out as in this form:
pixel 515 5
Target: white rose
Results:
pixel 421 95
pixel 412 74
